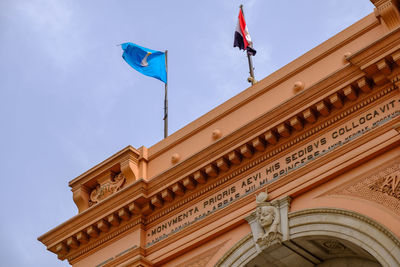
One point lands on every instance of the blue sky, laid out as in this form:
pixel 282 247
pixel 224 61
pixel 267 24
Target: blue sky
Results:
pixel 69 101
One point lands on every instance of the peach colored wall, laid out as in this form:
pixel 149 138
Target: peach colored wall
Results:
pixel 213 250
pixel 110 250
pixel 201 233
pixel 326 195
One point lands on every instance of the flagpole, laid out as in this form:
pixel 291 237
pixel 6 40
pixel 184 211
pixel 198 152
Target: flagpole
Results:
pixel 251 79
pixel 166 98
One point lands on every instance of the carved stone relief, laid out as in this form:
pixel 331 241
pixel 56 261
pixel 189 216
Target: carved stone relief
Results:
pixel 382 187
pixel 388 184
pixel 333 247
pixel 265 222
pixel 107 188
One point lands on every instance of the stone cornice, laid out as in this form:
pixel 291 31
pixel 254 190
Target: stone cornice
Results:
pixel 123 228
pixel 87 218
pixel 105 165
pixel 381 48
pixel 288 113
pixel 275 152
pixel 275 119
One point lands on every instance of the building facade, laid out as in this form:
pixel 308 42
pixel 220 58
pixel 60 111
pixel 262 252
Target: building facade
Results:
pixel 300 169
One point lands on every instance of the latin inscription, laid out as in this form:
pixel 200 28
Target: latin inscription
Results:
pixel 281 167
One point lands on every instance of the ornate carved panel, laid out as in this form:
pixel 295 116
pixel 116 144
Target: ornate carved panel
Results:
pixel 388 184
pixel 106 188
pixel 382 187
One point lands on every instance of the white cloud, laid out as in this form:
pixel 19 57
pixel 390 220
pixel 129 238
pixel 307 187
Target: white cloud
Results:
pixel 54 15
pixel 54 26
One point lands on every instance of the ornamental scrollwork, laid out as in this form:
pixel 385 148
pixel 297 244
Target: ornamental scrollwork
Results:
pixel 388 184
pixel 106 189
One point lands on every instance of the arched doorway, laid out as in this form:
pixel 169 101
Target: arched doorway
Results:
pixel 320 251
pixel 321 237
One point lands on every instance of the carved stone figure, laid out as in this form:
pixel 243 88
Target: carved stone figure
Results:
pixel 268 218
pixel 107 188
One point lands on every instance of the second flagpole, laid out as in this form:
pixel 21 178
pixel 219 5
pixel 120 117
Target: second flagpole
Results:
pixel 251 79
pixel 166 98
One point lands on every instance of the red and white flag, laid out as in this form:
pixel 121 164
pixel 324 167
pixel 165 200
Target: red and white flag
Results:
pixel 242 36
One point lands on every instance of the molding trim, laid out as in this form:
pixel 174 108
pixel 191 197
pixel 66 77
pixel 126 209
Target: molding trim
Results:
pixel 358 229
pixel 269 155
pixel 361 230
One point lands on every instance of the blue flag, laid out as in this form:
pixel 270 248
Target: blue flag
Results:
pixel 146 61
